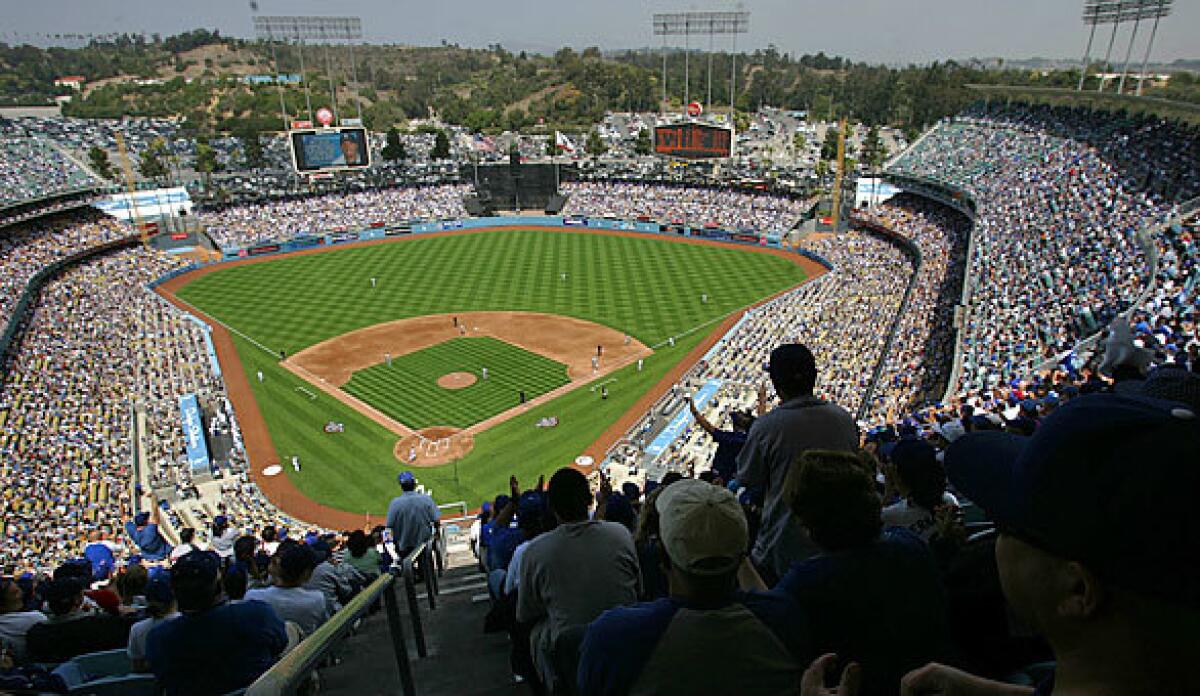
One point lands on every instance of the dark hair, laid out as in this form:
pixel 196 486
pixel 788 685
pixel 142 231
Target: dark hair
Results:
pixel 671 477
pixel 833 496
pixel 131 582
pixel 357 543
pixel 186 535
pixel 235 581
pixel 793 370
pixel 294 561
pixel 63 594
pixel 268 534
pixel 918 467
pixel 569 495
pixel 409 485
pixel 244 548
pixel 193 592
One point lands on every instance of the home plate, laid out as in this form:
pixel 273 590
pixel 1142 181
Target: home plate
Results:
pixel 273 470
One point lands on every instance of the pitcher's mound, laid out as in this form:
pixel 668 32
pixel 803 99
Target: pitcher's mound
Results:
pixel 456 380
pixel 434 445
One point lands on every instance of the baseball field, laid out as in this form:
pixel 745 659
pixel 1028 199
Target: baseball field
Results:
pixel 388 342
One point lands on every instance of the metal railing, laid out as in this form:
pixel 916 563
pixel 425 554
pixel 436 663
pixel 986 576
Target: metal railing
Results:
pixel 292 671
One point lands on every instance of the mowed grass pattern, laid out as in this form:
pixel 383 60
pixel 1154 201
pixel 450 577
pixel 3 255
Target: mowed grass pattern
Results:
pixel 646 286
pixel 650 288
pixel 408 390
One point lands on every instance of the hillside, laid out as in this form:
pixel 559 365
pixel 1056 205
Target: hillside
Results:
pixel 198 76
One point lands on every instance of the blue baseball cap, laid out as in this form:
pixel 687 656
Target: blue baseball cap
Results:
pixel 1108 480
pixel 158 589
pixel 140 519
pixel 406 477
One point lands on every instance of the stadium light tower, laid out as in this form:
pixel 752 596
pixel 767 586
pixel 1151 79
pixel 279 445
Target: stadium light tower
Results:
pixel 324 29
pixel 1161 9
pixel 1116 13
pixel 687 24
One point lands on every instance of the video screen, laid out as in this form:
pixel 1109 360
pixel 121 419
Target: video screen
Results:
pixel 336 148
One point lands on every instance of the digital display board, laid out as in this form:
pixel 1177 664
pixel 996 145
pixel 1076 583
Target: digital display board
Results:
pixel 329 148
pixel 693 141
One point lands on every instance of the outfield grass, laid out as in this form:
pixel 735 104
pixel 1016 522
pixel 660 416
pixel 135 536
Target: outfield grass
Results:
pixel 646 287
pixel 408 391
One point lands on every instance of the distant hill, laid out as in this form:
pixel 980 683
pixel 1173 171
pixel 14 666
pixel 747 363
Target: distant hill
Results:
pixel 200 77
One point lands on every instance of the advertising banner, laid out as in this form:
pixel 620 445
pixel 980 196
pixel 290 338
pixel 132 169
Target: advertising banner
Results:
pixel 193 434
pixel 156 203
pixel 682 419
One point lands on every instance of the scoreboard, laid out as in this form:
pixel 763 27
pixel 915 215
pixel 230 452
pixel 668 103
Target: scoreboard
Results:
pixel 693 141
pixel 329 149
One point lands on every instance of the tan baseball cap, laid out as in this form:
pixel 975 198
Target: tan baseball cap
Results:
pixel 702 527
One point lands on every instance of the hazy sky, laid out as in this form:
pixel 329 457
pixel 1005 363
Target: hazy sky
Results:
pixel 889 31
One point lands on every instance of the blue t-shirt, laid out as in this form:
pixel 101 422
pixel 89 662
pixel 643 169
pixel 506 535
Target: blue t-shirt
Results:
pixel 729 446
pixel 501 543
pixel 882 605
pixel 221 650
pixel 152 544
pixel 753 644
pixel 102 560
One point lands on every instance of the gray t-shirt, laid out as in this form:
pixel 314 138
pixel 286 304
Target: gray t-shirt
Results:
pixel 572 574
pixel 411 516
pixel 305 607
pixel 775 442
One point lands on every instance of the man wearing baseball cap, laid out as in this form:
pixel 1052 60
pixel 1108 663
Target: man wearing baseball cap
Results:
pixel 706 637
pixel 411 515
pixel 800 423
pixel 1099 547
pixel 150 542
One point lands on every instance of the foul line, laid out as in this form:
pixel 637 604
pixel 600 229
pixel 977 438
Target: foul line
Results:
pixel 310 394
pixel 227 327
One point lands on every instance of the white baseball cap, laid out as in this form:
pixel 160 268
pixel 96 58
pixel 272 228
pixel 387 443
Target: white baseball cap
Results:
pixel 702 527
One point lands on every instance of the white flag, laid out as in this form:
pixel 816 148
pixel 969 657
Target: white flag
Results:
pixel 563 143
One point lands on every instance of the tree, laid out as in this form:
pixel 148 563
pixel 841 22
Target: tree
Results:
pixel 100 163
pixel 595 145
pixel 441 146
pixel 643 146
pixel 873 152
pixel 151 165
pixel 393 150
pixel 829 146
pixel 252 150
pixel 206 159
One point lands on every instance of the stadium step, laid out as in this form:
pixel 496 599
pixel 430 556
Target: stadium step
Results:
pixel 462 660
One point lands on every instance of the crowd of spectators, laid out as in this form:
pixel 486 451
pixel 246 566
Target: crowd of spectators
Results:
pixel 698 207
pixel 917 366
pixel 179 612
pixel 707 562
pixel 244 225
pixel 33 168
pixel 1061 195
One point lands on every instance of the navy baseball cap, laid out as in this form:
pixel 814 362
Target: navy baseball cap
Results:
pixel 197 565
pixel 406 477
pixel 1108 480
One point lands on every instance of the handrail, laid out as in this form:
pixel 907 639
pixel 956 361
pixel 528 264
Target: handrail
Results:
pixel 286 676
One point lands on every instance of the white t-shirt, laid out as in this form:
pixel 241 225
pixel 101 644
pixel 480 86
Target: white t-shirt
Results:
pixel 183 550
pixel 917 520
pixel 140 630
pixel 305 607
pixel 14 626
pixel 512 579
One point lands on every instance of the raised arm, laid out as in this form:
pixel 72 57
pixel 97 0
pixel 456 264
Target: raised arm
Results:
pixel 700 420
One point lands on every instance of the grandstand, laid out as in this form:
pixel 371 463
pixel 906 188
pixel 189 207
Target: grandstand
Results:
pixel 978 299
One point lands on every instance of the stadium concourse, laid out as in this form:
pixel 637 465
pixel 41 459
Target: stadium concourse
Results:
pixel 972 303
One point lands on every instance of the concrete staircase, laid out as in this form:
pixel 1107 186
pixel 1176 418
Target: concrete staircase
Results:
pixel 462 660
